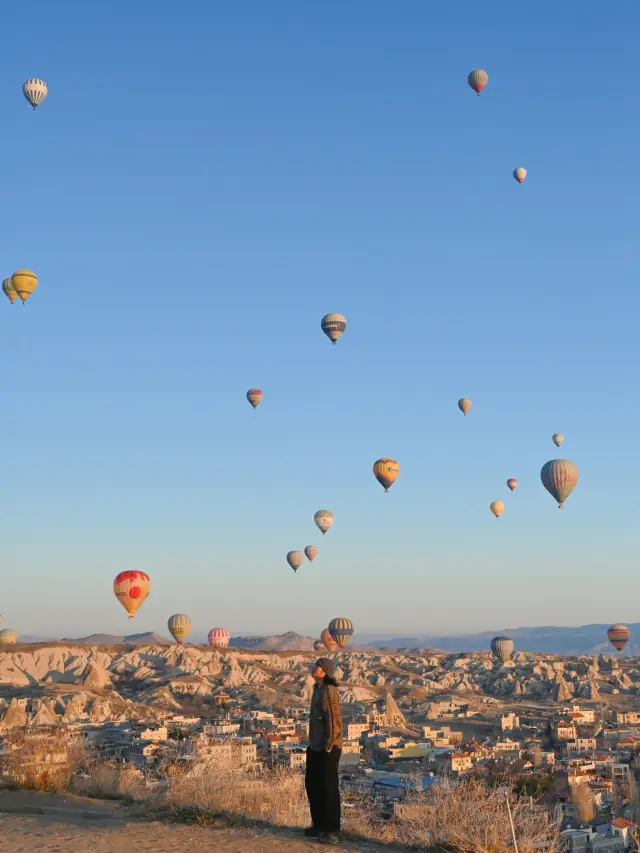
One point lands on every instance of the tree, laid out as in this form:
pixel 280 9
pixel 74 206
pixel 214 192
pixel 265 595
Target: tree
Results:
pixel 584 803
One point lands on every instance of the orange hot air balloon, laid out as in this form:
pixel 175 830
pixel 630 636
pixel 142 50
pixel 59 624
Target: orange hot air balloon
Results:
pixel 131 589
pixel 254 396
pixel 329 643
pixel 386 472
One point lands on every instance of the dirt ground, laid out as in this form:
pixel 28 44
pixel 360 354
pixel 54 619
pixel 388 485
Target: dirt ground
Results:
pixel 49 823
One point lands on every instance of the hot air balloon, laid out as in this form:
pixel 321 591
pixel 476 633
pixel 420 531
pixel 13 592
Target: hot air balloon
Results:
pixel 295 559
pixel 318 646
pixel 312 552
pixel 179 625
pixel 254 396
pixel 219 638
pixel 478 79
pixel 9 290
pixel 35 91
pixel 557 438
pixel 519 174
pixel 24 283
pixel 341 629
pixel 559 477
pixel 131 590
pixel 618 636
pixel 502 647
pixel 386 472
pixel 328 641
pixel 464 404
pixel 512 483
pixel 333 325
pixel 497 508
pixel 323 519
pixel 8 637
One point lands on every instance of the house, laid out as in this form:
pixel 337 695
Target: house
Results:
pixel 509 722
pixel 620 827
pixel 580 745
pixel 564 730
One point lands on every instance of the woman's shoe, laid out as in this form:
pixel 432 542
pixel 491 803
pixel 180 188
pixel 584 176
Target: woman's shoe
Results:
pixel 329 838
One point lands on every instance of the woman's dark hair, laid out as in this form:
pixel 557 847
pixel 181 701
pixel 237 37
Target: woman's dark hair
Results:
pixel 329 679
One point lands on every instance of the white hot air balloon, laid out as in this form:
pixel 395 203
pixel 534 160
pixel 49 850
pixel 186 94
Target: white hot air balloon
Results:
pixel 557 438
pixel 519 174
pixel 323 519
pixel 35 91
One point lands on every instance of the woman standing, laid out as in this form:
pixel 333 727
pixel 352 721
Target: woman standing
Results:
pixel 323 755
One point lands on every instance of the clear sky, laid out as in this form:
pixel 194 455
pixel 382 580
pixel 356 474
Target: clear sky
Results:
pixel 207 179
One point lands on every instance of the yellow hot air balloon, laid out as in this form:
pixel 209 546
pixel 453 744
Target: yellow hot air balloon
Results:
pixel 386 472
pixel 24 283
pixel 179 624
pixel 9 290
pixel 497 508
pixel 8 637
pixel 464 404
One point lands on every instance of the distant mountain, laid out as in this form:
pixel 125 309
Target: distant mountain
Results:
pixel 548 639
pixel 149 638
pixel 290 641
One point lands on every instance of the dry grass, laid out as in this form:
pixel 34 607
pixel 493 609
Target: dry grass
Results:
pixel 44 761
pixel 108 781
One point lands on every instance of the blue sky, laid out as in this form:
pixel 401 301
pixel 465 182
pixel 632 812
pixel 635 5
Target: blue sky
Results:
pixel 202 184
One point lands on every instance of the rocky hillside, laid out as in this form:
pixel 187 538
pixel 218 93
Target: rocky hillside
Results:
pixel 69 682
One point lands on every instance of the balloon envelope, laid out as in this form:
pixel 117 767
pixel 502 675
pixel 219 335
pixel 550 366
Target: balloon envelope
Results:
pixel 323 519
pixel 520 174
pixel 478 79
pixel 557 438
pixel 318 646
pixel 386 472
pixel 8 637
pixel 34 90
pixel 312 552
pixel 333 325
pixel 559 477
pixel 341 629
pixel 9 290
pixel 502 648
pixel 179 625
pixel 219 638
pixel 328 641
pixel 497 508
pixel 512 483
pixel 464 404
pixel 24 282
pixel 254 396
pixel 618 636
pixel 131 588
pixel 295 559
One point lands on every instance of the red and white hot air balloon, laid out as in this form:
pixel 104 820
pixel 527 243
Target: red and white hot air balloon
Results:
pixel 254 396
pixel 219 638
pixel 478 79
pixel 512 483
pixel 131 588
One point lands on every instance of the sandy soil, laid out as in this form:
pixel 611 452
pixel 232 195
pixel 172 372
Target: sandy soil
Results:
pixel 76 825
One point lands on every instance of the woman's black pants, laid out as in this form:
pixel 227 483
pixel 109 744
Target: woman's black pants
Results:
pixel 323 790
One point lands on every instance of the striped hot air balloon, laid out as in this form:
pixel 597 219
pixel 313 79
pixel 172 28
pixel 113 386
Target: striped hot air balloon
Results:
pixel 9 290
pixel 333 325
pixel 318 646
pixel 502 648
pixel 254 396
pixel 341 629
pixel 219 638
pixel 179 625
pixel 328 641
pixel 559 477
pixel 386 472
pixel 618 636
pixel 478 79
pixel 35 91
pixel 512 483
pixel 312 552
pixel 324 518
pixel 131 589
pixel 8 637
